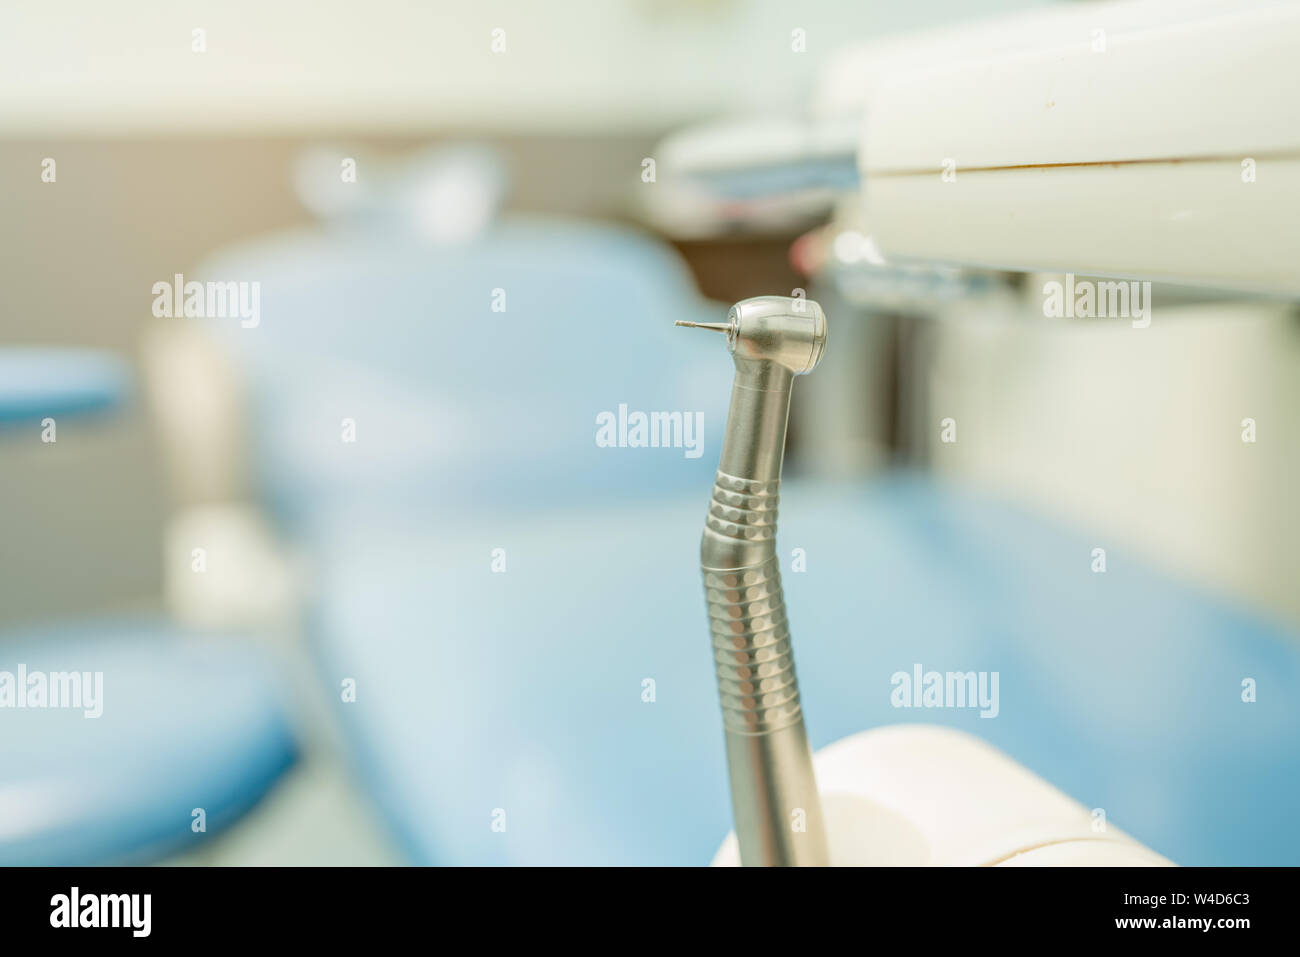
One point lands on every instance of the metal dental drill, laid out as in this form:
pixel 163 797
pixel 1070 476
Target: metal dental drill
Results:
pixel 773 792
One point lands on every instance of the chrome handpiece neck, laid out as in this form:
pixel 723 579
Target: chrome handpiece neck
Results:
pixel 774 793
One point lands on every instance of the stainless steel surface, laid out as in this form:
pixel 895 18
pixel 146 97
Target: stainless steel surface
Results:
pixel 773 791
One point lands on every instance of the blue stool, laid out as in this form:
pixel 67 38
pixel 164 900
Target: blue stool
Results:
pixel 190 733
pixel 38 382
pixel 184 726
pixel 521 693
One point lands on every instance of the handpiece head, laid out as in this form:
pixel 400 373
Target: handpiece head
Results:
pixel 790 332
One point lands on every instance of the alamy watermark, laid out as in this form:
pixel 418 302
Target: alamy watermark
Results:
pixel 75 909
pixel 208 300
pixel 82 690
pixel 651 430
pixel 1086 299
pixel 946 689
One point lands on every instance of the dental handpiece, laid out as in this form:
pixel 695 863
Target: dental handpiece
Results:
pixel 774 796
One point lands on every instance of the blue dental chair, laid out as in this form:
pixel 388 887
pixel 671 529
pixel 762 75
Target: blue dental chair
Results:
pixel 524 691
pixel 499 587
pixel 169 738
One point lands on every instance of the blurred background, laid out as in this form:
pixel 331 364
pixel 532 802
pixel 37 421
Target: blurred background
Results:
pixel 357 574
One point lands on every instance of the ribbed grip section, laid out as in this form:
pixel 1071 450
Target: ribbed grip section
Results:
pixel 744 509
pixel 751 648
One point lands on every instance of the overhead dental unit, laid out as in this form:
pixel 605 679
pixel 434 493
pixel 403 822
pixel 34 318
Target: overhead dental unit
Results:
pixel 1156 140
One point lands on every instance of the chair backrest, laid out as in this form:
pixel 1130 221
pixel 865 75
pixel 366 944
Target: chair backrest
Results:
pixel 471 374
